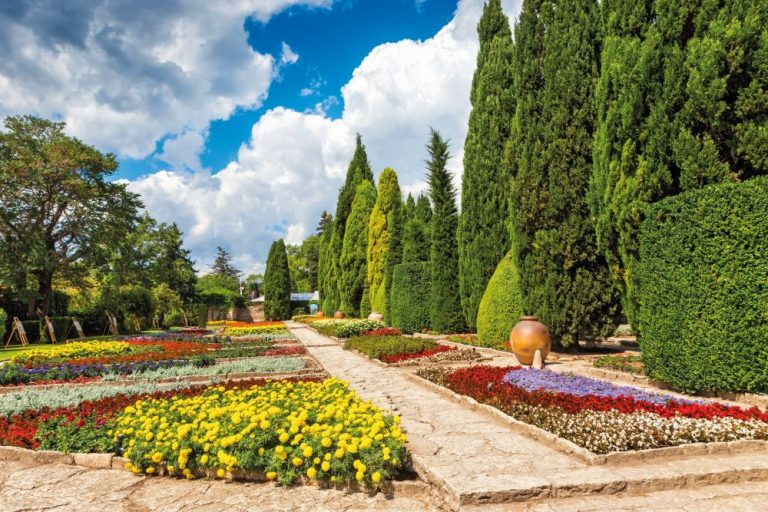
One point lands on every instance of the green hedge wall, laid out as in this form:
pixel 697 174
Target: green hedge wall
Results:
pixel 703 288
pixel 501 306
pixel 410 303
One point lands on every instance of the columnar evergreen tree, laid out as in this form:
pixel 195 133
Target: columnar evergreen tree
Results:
pixel 359 170
pixel 277 283
pixel 561 277
pixel 417 230
pixel 482 233
pixel 384 240
pixel 325 230
pixel 354 274
pixel 681 104
pixel 445 305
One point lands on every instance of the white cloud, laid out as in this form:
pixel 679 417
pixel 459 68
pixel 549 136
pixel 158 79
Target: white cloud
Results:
pixel 294 163
pixel 125 73
pixel 288 56
pixel 306 91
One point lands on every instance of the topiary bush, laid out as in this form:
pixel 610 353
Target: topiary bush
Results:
pixel 703 288
pixel 501 305
pixel 411 283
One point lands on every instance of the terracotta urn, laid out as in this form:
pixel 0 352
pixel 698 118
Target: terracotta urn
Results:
pixel 320 314
pixel 339 315
pixel 528 336
pixel 376 316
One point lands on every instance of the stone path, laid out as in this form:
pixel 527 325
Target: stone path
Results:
pixel 476 460
pixel 26 487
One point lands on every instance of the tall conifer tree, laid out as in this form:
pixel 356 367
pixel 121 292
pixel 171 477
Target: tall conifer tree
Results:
pixel 445 305
pixel 417 230
pixel 384 240
pixel 358 171
pixel 277 283
pixel 561 277
pixel 681 104
pixel 483 233
pixel 354 274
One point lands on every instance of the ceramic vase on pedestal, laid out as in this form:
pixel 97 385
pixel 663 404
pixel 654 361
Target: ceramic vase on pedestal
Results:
pixel 339 315
pixel 528 336
pixel 376 316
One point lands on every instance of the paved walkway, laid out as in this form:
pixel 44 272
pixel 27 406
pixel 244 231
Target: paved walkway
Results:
pixel 478 460
pixel 26 487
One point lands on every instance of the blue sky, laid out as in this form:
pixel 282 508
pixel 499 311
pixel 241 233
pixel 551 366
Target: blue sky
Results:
pixel 330 44
pixel 237 119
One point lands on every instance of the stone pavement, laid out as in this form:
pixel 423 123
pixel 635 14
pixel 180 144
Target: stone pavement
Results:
pixel 29 486
pixel 476 460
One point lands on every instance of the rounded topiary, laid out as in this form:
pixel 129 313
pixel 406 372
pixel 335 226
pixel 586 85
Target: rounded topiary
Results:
pixel 500 307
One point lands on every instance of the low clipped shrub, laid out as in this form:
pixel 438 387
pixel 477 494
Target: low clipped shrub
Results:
pixel 500 307
pixel 376 347
pixel 703 288
pixel 410 302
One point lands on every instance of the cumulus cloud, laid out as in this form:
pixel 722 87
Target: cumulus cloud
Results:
pixel 292 166
pixel 125 73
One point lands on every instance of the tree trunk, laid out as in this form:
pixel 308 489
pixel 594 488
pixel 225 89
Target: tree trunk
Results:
pixel 45 290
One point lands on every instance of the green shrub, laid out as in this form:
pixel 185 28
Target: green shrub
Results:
pixel 703 288
pixel 500 307
pixel 376 346
pixel 173 319
pixel 3 319
pixel 347 327
pixel 411 285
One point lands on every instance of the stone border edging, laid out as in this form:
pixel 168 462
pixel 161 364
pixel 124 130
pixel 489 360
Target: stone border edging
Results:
pixel 591 458
pixel 409 488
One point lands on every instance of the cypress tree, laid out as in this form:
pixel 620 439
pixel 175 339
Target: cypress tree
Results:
pixel 384 240
pixel 445 304
pixel 482 232
pixel 277 283
pixel 358 171
pixel 325 230
pixel 416 234
pixel 681 102
pixel 561 278
pixel 354 273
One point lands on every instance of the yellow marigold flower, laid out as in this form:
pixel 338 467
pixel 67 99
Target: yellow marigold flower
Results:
pixel 312 473
pixel 271 475
pixel 157 457
pixel 376 477
pixel 150 470
pixel 220 473
pixel 284 437
pixel 297 461
pixel 339 453
pixel 307 451
pixel 359 476
pixel 204 459
pixel 326 442
pixel 325 466
pixel 261 450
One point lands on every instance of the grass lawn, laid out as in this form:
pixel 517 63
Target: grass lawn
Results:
pixel 14 350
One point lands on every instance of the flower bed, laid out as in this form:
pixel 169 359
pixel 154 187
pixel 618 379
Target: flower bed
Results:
pixel 286 431
pixel 345 328
pixel 253 365
pixel 600 416
pixel 255 329
pixel 132 356
pixel 395 349
pixel 79 420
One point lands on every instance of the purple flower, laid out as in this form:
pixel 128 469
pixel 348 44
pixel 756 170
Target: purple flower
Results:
pixel 532 379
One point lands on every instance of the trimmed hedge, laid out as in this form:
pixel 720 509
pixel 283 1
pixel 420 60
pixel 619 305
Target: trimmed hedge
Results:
pixel 411 285
pixel 377 346
pixel 703 288
pixel 501 305
pixel 3 320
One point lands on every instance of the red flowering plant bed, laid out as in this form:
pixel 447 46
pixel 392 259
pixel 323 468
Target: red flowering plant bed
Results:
pixel 384 331
pixel 427 352
pixel 600 416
